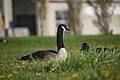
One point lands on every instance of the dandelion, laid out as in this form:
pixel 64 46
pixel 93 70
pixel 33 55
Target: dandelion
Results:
pixel 27 60
pixel 15 72
pixel 24 62
pixel 116 77
pixel 16 67
pixel 105 73
pixel 68 78
pixel 75 75
pixel 108 65
pixel 2 76
pixel 38 73
pixel 10 75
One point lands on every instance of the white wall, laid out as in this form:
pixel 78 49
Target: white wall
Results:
pixel 8 15
pixel 87 17
pixel 50 29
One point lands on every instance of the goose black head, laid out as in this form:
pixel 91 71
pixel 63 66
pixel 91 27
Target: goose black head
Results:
pixel 62 26
pixel 85 47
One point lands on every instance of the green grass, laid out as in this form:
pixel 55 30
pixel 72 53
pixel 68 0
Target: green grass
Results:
pixel 78 66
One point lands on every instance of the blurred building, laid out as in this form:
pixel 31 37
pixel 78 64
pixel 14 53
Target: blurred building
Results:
pixel 19 18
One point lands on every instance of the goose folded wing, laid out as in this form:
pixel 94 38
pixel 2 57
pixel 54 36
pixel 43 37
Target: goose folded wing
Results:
pixel 45 54
pixel 42 55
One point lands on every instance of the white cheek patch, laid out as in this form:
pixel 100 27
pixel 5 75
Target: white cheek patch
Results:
pixel 63 28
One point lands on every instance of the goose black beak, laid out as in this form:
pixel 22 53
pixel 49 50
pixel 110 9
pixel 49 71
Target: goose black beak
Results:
pixel 68 29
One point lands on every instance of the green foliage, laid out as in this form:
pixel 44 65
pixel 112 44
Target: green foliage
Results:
pixel 78 66
pixel 74 16
pixel 40 14
pixel 41 8
pixel 103 14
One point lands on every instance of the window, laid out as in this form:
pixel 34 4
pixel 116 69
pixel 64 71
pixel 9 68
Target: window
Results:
pixel 61 17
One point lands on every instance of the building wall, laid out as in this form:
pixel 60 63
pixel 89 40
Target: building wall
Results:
pixel 115 24
pixel 87 17
pixel 12 8
pixel 24 16
pixel 50 29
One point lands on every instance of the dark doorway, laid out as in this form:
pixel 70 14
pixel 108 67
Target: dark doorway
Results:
pixel 24 15
pixel 27 21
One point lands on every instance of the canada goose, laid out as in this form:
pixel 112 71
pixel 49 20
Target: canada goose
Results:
pixel 3 41
pixel 105 49
pixel 99 49
pixel 85 47
pixel 61 54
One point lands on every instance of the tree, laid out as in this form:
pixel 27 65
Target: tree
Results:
pixel 74 16
pixel 40 13
pixel 103 14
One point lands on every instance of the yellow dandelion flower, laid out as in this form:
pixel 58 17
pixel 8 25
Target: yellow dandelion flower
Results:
pixel 27 60
pixel 10 75
pixel 38 73
pixel 108 64
pixel 105 73
pixel 23 62
pixel 2 76
pixel 16 67
pixel 15 72
pixel 116 77
pixel 68 78
pixel 75 75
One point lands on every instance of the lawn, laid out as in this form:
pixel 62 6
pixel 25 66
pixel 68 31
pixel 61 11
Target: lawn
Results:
pixel 78 66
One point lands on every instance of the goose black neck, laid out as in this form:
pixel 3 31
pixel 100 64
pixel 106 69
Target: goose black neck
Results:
pixel 60 43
